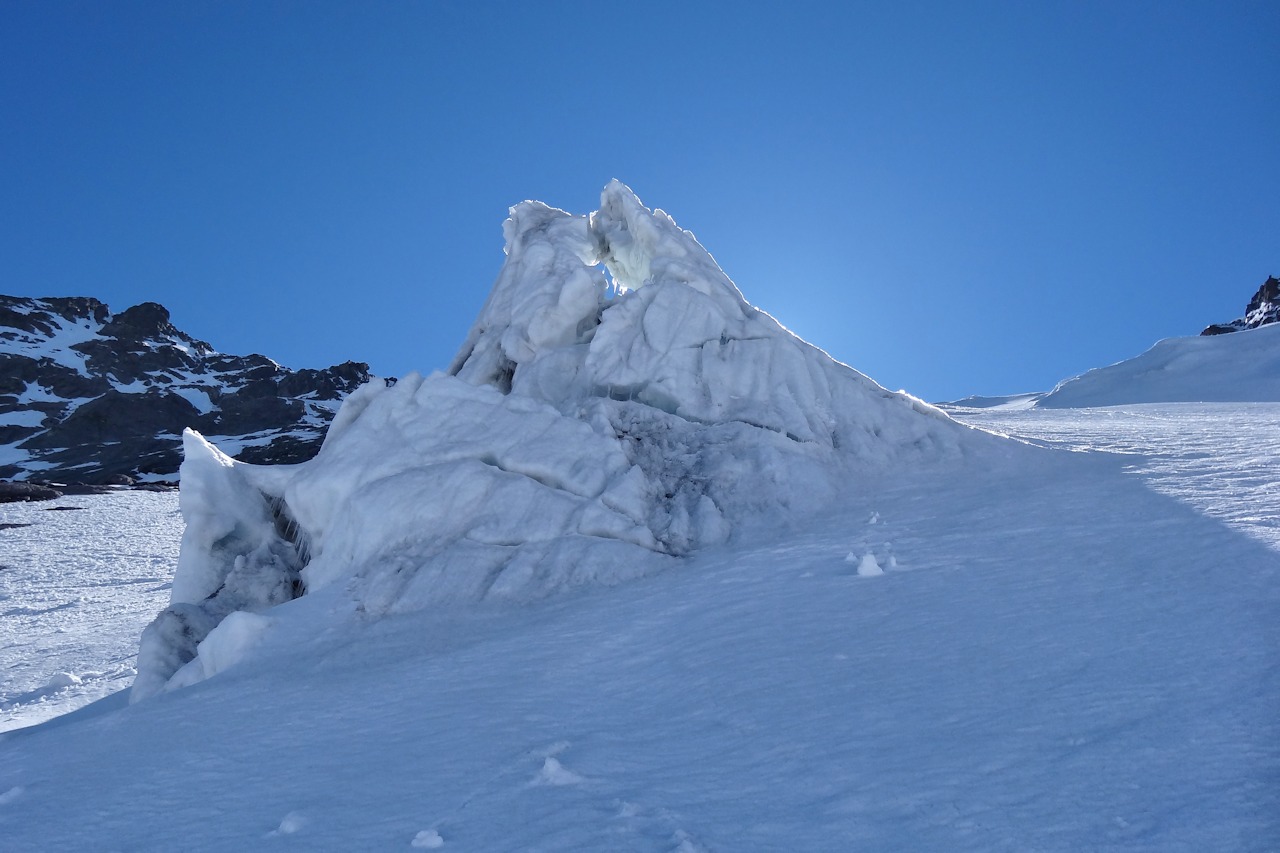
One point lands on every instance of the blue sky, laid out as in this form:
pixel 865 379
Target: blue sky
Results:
pixel 954 198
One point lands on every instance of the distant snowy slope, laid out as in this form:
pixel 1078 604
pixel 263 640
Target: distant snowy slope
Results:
pixel 1242 367
pixel 589 431
pixel 1239 367
pixel 1011 402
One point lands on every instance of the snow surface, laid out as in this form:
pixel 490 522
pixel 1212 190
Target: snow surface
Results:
pixel 1238 367
pixel 55 343
pixel 1221 458
pixel 79 579
pixel 1076 651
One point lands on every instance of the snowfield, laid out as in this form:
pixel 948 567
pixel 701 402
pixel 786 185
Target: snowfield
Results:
pixel 1076 654
pixel 1218 457
pixel 644 571
pixel 80 578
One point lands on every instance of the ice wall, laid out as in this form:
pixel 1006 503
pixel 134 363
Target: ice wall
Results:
pixel 592 428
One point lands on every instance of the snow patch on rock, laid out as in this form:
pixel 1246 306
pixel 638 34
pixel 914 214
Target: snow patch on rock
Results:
pixel 555 774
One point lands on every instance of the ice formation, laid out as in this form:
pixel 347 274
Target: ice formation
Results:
pixel 616 404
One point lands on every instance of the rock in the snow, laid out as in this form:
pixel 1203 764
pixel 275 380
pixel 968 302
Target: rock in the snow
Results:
pixel 15 492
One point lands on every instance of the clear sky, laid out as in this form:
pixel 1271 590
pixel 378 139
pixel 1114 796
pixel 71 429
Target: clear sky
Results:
pixel 954 198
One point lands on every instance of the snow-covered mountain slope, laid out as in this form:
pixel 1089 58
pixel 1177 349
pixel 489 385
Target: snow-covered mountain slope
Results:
pixel 592 429
pixel 1241 367
pixel 1073 652
pixel 87 396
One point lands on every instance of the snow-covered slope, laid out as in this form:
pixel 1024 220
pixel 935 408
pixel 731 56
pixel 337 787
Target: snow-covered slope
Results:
pixel 1075 652
pixel 87 396
pixel 1241 367
pixel 590 430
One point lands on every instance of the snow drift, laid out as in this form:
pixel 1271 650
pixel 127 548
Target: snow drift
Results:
pixel 616 404
pixel 1243 367
pixel 1238 368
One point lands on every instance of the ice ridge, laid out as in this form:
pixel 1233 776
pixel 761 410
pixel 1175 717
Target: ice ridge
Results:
pixel 616 404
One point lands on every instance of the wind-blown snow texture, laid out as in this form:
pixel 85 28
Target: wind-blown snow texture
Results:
pixel 588 431
pixel 79 580
pixel 1074 652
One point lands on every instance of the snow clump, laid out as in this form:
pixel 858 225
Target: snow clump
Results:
pixel 868 567
pixel 427 839
pixel 555 774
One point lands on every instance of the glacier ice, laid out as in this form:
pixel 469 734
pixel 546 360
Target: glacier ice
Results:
pixel 616 404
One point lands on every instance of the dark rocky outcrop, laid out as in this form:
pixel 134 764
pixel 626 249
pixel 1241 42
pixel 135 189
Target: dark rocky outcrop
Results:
pixel 13 492
pixel 92 397
pixel 116 417
pixel 141 322
pixel 1262 310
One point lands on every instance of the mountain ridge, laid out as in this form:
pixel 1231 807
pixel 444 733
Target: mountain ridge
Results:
pixel 95 397
pixel 1263 310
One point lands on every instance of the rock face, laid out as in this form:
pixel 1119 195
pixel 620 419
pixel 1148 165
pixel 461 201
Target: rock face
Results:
pixel 88 396
pixel 1263 309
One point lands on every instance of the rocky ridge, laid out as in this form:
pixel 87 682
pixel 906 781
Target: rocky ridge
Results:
pixel 88 396
pixel 1263 309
